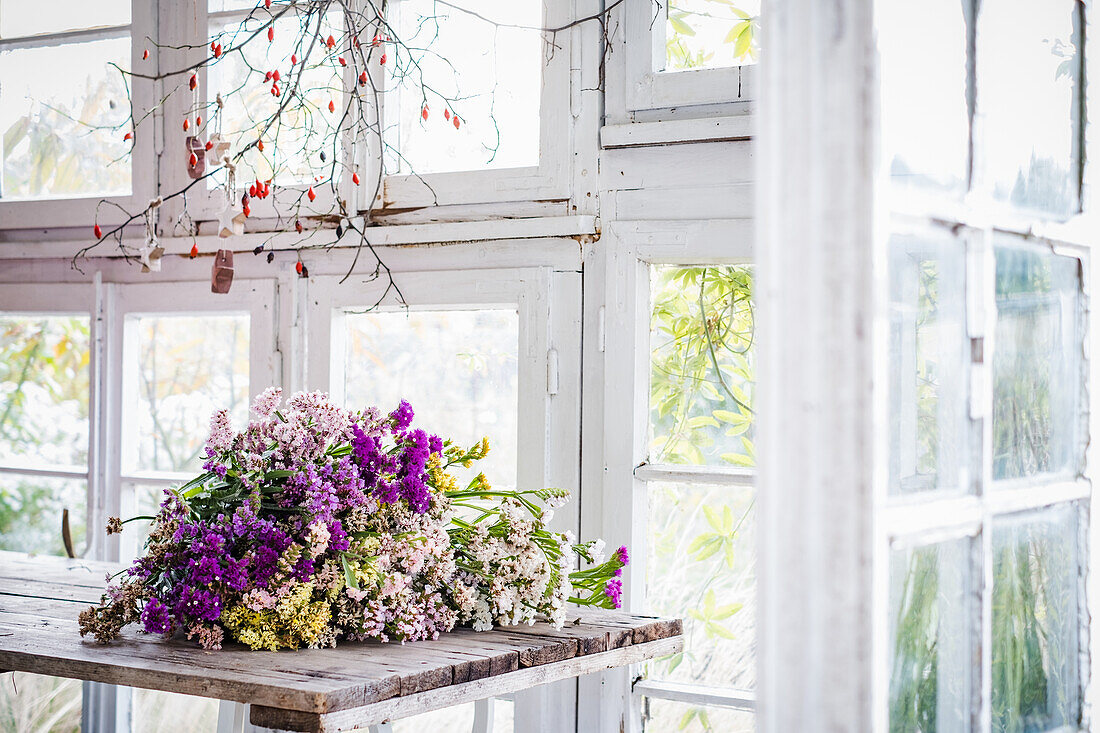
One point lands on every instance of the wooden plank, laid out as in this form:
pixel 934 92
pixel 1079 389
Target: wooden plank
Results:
pixel 522 679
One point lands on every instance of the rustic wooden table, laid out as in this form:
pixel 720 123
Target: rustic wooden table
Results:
pixel 354 685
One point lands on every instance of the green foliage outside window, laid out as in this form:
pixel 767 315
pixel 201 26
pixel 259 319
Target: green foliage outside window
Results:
pixel 700 538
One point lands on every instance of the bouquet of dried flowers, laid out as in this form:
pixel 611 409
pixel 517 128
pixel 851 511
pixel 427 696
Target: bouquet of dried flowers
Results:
pixel 316 524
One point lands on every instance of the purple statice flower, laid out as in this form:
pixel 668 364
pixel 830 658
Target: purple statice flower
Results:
pixel 303 569
pixel 155 617
pixel 338 537
pixel 622 555
pixel 411 473
pixel 198 603
pixel 402 417
pixel 614 591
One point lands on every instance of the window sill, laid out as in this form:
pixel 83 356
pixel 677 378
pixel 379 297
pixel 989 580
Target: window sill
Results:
pixel 677 132
pixel 400 234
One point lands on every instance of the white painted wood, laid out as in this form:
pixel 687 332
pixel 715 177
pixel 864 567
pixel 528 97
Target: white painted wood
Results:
pixel 714 475
pixel 676 132
pixel 483 716
pixel 232 717
pixel 817 133
pixel 693 694
pixel 430 233
pixel 636 83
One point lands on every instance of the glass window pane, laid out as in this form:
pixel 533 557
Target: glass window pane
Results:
pixel 929 358
pixel 711 33
pixel 185 368
pixel 666 716
pixel 157 712
pixel 22 18
pixel 44 389
pixel 1037 371
pixel 701 566
pixel 63 114
pixel 925 125
pixel 31 509
pixel 32 702
pixel 1036 581
pixel 292 148
pixel 1027 75
pixel 700 394
pixel 933 609
pixel 494 87
pixel 459 719
pixel 459 369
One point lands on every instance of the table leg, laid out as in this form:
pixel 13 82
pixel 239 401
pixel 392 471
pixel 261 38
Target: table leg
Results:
pixel 483 716
pixel 232 717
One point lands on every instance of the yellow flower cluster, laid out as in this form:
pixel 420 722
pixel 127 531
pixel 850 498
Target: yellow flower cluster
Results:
pixel 437 477
pixel 295 621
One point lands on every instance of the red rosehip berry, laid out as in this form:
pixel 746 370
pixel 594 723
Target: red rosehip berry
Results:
pixel 98 232
pixel 194 251
pixel 310 194
pixel 194 82
pixel 355 178
pixel 331 106
pixel 270 33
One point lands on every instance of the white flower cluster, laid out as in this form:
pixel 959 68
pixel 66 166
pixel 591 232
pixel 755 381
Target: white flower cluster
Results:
pixel 516 578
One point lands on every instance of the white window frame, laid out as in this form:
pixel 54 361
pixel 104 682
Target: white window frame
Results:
pixel 60 300
pixel 618 512
pixel 549 180
pixel 253 298
pixel 82 211
pixel 641 88
pixel 827 516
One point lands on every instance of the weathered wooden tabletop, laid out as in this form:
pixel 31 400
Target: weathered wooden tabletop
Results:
pixel 353 685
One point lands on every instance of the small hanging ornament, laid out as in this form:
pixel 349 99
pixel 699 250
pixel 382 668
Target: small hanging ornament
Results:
pixel 196 161
pixel 230 220
pixel 151 253
pixel 221 273
pixel 218 146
